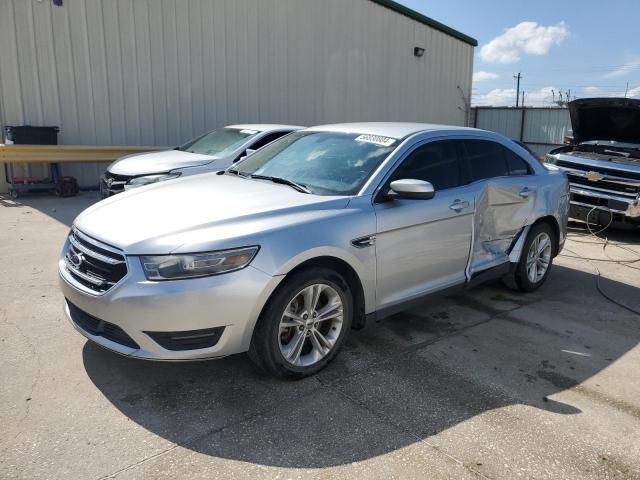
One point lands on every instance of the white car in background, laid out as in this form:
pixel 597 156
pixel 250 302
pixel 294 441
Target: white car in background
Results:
pixel 210 152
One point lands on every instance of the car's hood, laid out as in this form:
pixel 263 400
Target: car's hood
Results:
pixel 199 211
pixel 157 162
pixel 605 119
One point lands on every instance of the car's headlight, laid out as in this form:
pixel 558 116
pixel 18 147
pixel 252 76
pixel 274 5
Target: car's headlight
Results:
pixel 147 179
pixel 193 265
pixel 551 159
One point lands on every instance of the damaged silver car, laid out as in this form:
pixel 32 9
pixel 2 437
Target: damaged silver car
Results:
pixel 603 161
pixel 317 233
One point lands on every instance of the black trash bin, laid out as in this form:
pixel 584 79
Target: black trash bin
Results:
pixel 30 135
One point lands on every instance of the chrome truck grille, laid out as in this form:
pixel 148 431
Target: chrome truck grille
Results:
pixel 604 180
pixel 92 264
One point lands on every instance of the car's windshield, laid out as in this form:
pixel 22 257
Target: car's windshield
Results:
pixel 327 163
pixel 218 142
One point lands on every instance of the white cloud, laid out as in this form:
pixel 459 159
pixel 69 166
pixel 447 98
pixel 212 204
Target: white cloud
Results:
pixel 484 76
pixel 525 38
pixel 628 67
pixel 543 97
pixel 501 97
pixel 632 92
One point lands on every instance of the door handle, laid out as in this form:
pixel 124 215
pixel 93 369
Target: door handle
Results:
pixel 525 192
pixel 459 205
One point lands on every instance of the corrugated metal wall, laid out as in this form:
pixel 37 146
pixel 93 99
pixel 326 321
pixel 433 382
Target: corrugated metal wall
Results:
pixel 542 130
pixel 158 72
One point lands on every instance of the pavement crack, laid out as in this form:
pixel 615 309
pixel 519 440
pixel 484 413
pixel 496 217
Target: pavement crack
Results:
pixel 32 387
pixel 399 428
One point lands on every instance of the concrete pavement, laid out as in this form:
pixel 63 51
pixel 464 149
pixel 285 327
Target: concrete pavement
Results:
pixel 486 384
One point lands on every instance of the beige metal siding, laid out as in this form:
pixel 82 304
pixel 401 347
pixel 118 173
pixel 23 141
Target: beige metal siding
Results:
pixel 158 72
pixel 543 128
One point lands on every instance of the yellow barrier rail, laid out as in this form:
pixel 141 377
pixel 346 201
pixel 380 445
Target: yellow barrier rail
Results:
pixel 66 153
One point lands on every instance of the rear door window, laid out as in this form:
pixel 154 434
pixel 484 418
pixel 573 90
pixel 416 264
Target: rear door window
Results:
pixel 517 166
pixel 435 162
pixel 485 159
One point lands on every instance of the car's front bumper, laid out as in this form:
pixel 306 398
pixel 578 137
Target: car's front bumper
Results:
pixel 585 200
pixel 138 306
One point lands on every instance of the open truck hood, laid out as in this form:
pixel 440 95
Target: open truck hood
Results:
pixel 615 119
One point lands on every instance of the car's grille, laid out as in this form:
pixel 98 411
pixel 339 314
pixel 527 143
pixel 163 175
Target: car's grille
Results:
pixel 605 185
pixel 604 180
pixel 96 266
pixel 603 170
pixel 100 328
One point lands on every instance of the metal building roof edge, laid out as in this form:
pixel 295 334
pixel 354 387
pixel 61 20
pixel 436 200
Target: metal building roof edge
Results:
pixel 408 12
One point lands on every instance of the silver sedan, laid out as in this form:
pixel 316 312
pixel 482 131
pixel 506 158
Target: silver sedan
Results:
pixel 317 233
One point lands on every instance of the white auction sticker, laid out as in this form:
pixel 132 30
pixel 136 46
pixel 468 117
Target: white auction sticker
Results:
pixel 376 140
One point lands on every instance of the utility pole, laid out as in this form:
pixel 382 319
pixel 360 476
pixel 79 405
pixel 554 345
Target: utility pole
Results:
pixel 522 98
pixel 626 90
pixel 517 77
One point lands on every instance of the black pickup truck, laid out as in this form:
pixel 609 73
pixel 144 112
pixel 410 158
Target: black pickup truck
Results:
pixel 603 160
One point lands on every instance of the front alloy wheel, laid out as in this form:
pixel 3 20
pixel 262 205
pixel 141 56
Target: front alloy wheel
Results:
pixel 304 323
pixel 311 325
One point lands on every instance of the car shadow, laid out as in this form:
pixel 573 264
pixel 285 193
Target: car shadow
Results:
pixel 409 377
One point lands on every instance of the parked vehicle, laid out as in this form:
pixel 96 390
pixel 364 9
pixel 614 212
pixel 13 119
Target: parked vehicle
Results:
pixel 318 232
pixel 213 151
pixel 603 160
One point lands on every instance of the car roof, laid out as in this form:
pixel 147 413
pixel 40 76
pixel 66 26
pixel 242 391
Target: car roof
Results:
pixel 262 127
pixel 395 130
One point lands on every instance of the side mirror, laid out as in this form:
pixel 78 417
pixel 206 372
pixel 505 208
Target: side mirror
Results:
pixel 412 189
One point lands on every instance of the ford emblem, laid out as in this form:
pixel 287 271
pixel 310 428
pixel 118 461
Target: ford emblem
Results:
pixel 76 259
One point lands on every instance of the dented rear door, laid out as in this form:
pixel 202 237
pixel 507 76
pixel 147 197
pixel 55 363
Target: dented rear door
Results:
pixel 505 199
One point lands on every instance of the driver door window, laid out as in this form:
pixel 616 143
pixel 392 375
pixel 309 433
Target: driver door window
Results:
pixel 435 162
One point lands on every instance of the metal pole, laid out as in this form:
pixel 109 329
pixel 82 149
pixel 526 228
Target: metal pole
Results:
pixel 517 77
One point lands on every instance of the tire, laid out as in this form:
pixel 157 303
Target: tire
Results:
pixel 524 279
pixel 273 346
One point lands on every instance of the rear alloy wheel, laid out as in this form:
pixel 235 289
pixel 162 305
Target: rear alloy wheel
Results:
pixel 539 257
pixel 536 258
pixel 304 324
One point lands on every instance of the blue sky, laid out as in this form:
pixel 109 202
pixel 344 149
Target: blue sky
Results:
pixel 590 48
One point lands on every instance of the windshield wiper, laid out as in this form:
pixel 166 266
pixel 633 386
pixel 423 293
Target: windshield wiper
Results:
pixel 297 186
